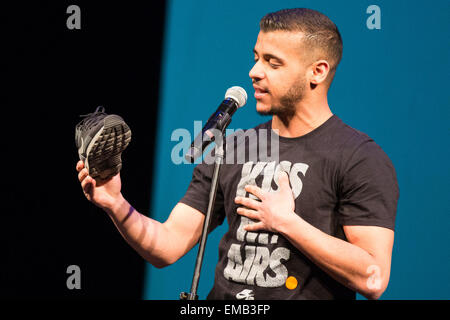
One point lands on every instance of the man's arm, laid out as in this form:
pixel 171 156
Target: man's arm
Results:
pixel 362 264
pixel 161 244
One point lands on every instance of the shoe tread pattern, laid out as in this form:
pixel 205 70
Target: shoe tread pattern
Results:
pixel 105 155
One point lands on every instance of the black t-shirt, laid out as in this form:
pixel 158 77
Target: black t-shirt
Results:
pixel 339 176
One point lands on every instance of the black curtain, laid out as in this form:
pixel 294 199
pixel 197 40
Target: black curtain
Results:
pixel 51 75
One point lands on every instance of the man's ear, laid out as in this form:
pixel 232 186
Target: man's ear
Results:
pixel 318 72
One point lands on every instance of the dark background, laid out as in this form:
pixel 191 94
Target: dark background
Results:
pixel 53 75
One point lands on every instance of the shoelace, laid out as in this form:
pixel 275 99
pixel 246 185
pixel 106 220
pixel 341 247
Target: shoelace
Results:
pixel 91 119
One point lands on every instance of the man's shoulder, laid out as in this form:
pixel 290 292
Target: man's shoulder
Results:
pixel 349 136
pixel 357 145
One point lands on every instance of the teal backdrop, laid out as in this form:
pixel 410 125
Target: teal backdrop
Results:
pixel 392 84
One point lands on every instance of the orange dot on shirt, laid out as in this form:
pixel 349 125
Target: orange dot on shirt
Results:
pixel 291 283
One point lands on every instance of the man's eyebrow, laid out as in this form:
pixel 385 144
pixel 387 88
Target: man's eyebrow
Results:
pixel 269 56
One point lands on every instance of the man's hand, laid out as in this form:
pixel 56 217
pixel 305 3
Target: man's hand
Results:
pixel 273 210
pixel 105 196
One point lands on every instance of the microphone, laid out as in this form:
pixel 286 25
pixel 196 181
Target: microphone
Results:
pixel 235 97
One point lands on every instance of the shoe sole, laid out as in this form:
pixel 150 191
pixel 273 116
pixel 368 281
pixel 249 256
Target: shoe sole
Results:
pixel 103 159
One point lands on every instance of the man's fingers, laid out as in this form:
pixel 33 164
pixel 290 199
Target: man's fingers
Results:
pixel 255 227
pixel 256 191
pixel 283 180
pixel 247 202
pixel 80 165
pixel 87 185
pixel 82 174
pixel 252 214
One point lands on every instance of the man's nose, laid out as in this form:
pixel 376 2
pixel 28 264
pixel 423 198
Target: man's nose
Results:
pixel 256 73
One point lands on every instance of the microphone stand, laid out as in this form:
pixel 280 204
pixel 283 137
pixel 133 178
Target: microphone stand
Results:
pixel 218 161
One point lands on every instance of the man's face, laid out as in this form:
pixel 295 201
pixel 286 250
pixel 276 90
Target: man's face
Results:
pixel 279 73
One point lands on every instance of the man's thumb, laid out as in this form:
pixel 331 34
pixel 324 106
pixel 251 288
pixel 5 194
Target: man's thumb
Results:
pixel 283 180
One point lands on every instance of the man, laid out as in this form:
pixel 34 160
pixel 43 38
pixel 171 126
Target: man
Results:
pixel 316 225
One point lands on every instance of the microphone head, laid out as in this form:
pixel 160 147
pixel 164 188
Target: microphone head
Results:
pixel 238 94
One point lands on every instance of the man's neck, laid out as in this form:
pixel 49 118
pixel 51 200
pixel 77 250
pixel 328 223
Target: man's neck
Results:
pixel 309 115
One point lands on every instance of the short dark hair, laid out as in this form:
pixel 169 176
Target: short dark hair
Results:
pixel 320 32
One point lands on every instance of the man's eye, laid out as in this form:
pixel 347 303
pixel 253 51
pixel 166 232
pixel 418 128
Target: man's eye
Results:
pixel 274 65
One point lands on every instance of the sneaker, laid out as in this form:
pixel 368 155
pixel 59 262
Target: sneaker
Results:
pixel 101 139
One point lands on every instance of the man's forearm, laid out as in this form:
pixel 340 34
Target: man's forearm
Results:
pixel 147 236
pixel 345 262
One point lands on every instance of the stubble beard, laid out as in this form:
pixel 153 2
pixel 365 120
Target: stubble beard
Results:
pixel 287 103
